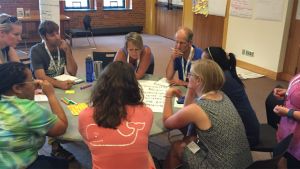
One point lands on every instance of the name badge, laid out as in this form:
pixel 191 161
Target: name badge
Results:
pixel 193 147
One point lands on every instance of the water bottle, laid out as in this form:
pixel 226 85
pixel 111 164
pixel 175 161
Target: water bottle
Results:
pixel 89 69
pixel 97 69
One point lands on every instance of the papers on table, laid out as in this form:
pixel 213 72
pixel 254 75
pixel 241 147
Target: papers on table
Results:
pixel 65 77
pixel 163 82
pixel 153 95
pixel 40 98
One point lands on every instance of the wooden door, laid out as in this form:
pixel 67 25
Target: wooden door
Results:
pixel 208 31
pixel 292 54
pixel 167 20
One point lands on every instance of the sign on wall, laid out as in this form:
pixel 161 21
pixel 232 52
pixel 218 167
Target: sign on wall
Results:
pixel 49 10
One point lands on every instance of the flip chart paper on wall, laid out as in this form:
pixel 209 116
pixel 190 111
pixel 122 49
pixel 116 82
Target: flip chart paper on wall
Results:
pixel 269 9
pixel 49 10
pixel 153 95
pixel 217 7
pixel 241 8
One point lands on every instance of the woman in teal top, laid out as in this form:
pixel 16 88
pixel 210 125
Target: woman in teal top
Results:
pixel 24 124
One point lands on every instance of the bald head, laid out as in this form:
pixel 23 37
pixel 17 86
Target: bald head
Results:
pixel 186 32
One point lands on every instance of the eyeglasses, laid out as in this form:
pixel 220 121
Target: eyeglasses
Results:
pixel 11 19
pixel 32 81
pixel 192 74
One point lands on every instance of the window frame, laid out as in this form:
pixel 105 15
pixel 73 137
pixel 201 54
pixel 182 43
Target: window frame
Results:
pixel 78 8
pixel 113 7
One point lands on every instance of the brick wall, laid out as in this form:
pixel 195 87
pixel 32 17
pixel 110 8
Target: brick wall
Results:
pixel 100 18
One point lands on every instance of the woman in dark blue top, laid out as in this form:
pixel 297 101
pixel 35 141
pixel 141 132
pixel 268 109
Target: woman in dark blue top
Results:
pixel 234 89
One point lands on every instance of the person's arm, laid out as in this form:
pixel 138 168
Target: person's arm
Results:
pixel 40 74
pixel 61 124
pixel 283 111
pixel 13 56
pixel 189 97
pixel 143 66
pixel 170 71
pixel 180 118
pixel 71 64
pixel 120 56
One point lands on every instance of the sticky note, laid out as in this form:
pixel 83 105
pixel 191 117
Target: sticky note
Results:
pixel 77 108
pixel 70 91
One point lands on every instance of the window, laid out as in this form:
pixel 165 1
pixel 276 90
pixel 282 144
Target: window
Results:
pixel 77 4
pixel 113 4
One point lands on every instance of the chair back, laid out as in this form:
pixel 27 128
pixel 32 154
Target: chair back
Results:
pixel 105 57
pixel 282 146
pixel 271 101
pixel 87 22
pixel 278 152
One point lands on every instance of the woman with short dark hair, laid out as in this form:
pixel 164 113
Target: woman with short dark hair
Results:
pixel 24 124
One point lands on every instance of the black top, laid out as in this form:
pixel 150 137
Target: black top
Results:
pixel 5 53
pixel 237 94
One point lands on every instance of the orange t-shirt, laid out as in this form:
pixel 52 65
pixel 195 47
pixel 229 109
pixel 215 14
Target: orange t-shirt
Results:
pixel 124 147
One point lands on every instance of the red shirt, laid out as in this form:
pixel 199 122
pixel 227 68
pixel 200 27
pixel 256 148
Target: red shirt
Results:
pixel 124 147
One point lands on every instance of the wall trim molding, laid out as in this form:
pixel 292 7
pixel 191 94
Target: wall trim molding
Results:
pixel 257 69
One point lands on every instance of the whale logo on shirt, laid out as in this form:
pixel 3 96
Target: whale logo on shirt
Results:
pixel 125 135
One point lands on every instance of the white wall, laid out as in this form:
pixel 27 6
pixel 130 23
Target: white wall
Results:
pixel 266 38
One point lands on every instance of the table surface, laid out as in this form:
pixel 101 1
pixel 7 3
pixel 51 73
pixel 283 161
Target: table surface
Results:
pixel 82 96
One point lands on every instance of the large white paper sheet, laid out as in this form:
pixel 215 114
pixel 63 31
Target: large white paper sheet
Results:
pixel 241 8
pixel 269 9
pixel 49 10
pixel 153 95
pixel 217 7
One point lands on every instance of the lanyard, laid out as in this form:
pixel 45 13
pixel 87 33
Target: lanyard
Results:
pixel 137 62
pixel 56 67
pixel 184 68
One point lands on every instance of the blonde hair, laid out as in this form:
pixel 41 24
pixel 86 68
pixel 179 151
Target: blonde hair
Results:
pixel 134 38
pixel 210 74
pixel 7 27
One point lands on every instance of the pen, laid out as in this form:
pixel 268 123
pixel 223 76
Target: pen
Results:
pixel 86 86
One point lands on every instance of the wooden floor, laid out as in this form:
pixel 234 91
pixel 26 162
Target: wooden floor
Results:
pixel 257 89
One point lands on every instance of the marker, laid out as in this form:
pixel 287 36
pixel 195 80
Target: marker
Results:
pixel 86 86
pixel 65 101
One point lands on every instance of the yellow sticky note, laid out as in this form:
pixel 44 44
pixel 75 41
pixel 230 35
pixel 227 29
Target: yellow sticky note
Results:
pixel 70 91
pixel 77 108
